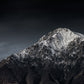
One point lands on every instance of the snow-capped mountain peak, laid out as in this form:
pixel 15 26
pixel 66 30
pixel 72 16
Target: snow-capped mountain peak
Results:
pixel 60 38
pixel 57 40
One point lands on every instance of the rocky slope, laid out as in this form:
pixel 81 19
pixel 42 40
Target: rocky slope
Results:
pixel 57 58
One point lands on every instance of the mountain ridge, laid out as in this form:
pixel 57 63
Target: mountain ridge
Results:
pixel 57 58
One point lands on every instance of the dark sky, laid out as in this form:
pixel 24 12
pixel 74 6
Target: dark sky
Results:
pixel 23 22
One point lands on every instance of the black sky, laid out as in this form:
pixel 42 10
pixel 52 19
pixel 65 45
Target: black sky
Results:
pixel 23 22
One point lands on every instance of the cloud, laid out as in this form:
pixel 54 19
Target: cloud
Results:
pixel 8 48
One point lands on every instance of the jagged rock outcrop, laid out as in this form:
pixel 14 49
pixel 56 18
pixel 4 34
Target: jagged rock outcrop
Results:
pixel 57 58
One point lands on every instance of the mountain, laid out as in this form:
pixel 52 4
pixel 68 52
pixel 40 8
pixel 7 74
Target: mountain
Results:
pixel 57 58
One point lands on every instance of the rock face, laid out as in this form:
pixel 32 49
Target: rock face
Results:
pixel 57 58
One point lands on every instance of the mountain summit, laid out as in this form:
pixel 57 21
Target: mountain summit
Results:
pixel 57 58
